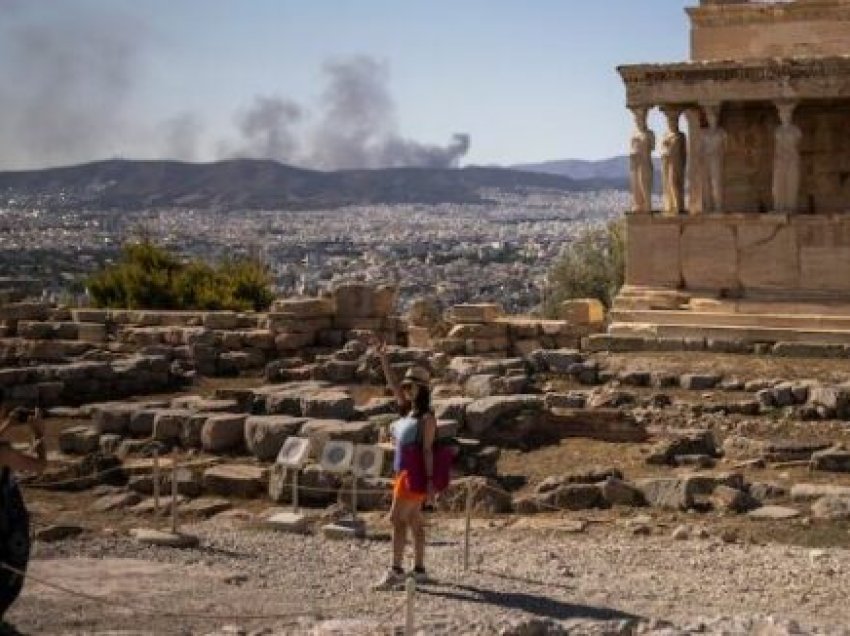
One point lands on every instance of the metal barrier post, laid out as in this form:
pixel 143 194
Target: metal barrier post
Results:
pixel 467 525
pixel 174 496
pixel 409 618
pixel 354 498
pixel 156 482
pixel 294 490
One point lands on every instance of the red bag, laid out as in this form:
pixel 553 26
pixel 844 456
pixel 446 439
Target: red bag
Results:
pixel 413 461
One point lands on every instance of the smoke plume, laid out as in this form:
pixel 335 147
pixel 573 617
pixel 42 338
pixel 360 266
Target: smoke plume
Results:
pixel 65 80
pixel 356 126
pixel 68 78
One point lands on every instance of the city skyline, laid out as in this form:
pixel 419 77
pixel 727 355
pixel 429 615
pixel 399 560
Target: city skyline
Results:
pixel 90 79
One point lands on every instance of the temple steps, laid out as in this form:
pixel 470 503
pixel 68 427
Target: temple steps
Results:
pixel 731 332
pixel 810 322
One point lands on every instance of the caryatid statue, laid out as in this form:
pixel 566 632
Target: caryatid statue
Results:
pixel 673 159
pixel 640 158
pixel 786 161
pixel 713 151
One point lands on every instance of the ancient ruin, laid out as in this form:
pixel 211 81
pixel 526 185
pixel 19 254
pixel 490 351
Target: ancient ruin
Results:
pixel 755 249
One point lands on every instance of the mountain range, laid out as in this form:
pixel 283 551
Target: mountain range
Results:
pixel 264 184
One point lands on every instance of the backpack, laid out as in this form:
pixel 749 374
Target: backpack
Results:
pixel 444 451
pixel 14 539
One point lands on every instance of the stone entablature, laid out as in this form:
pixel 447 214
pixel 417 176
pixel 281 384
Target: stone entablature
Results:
pixel 742 29
pixel 692 83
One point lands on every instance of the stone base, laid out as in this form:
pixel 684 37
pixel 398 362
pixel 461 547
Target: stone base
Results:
pixel 291 522
pixel 345 529
pixel 166 539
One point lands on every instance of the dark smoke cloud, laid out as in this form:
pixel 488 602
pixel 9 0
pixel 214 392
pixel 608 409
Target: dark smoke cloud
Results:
pixel 266 130
pixel 65 82
pixel 356 126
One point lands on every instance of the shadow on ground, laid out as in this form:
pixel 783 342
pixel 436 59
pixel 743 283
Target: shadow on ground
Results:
pixel 538 605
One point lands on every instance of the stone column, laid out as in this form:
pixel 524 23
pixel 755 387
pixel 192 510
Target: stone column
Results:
pixel 786 161
pixel 674 160
pixel 713 156
pixel 640 162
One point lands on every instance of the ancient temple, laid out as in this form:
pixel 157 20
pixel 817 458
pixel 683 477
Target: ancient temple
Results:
pixel 750 238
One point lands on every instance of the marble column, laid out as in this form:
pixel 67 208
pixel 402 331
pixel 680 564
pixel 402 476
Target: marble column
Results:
pixel 713 157
pixel 640 162
pixel 673 160
pixel 786 161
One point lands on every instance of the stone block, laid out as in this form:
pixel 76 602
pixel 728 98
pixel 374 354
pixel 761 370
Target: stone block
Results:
pixel 328 405
pixel 168 424
pixel 583 311
pixel 235 480
pixel 482 331
pixel 476 313
pixel 294 341
pixel 265 435
pixel 486 412
pixel 321 430
pixel 304 307
pixel 223 433
pixel 79 440
pixel 221 320
pixel 114 418
pixel 831 460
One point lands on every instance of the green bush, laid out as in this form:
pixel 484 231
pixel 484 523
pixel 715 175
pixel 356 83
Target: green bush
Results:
pixel 150 277
pixel 593 266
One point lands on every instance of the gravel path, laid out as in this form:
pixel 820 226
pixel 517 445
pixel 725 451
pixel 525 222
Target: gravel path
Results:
pixel 604 576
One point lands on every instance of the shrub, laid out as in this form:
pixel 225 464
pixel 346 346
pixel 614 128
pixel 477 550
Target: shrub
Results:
pixel 150 277
pixel 593 266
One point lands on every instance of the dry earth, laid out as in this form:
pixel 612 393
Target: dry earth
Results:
pixel 588 570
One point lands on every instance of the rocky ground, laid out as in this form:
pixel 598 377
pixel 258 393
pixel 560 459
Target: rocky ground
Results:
pixel 741 533
pixel 586 575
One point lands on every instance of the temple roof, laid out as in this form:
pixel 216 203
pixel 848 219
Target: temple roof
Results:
pixel 690 83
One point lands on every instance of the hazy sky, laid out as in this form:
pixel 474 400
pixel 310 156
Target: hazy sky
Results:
pixel 527 80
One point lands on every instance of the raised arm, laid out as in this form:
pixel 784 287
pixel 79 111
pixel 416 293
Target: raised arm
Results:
pixel 392 381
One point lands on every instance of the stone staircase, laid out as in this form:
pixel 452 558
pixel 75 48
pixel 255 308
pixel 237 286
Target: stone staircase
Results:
pixel 670 314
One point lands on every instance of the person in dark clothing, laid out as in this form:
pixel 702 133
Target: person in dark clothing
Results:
pixel 14 519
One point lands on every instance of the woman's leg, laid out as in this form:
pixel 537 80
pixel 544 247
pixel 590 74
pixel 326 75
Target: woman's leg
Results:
pixel 399 517
pixel 417 527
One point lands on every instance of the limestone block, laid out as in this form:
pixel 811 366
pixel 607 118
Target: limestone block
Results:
pixel 91 332
pixel 419 337
pixel 79 440
pixel 265 435
pixel 476 313
pixel 475 346
pixel 98 316
pixel 114 418
pixel 652 248
pixel 168 424
pixel 289 323
pixel 328 405
pixel 482 331
pixel 304 307
pixel 315 485
pixel 235 480
pixel 709 256
pixel 361 323
pixel 582 311
pixel 222 320
pixel 423 312
pixel 525 347
pixel 354 301
pixel 142 422
pixel 262 339
pixel 190 433
pixel 321 430
pixel 768 256
pixel 294 341
pixel 223 433
pixel 486 412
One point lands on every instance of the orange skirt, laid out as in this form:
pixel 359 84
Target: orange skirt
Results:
pixel 402 491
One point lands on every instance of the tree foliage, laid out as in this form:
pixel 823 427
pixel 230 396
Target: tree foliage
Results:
pixel 150 277
pixel 593 266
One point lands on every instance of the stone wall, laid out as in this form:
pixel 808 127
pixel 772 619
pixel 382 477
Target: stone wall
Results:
pixel 724 29
pixel 484 329
pixel 735 254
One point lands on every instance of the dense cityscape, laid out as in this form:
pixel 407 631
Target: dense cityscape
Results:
pixel 500 251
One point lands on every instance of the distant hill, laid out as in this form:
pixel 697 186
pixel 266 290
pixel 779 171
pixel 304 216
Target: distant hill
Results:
pixel 263 184
pixel 615 168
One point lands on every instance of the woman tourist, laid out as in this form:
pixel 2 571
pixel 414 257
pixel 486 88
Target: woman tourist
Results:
pixel 414 435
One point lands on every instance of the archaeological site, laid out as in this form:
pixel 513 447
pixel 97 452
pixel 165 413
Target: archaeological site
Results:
pixel 677 463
